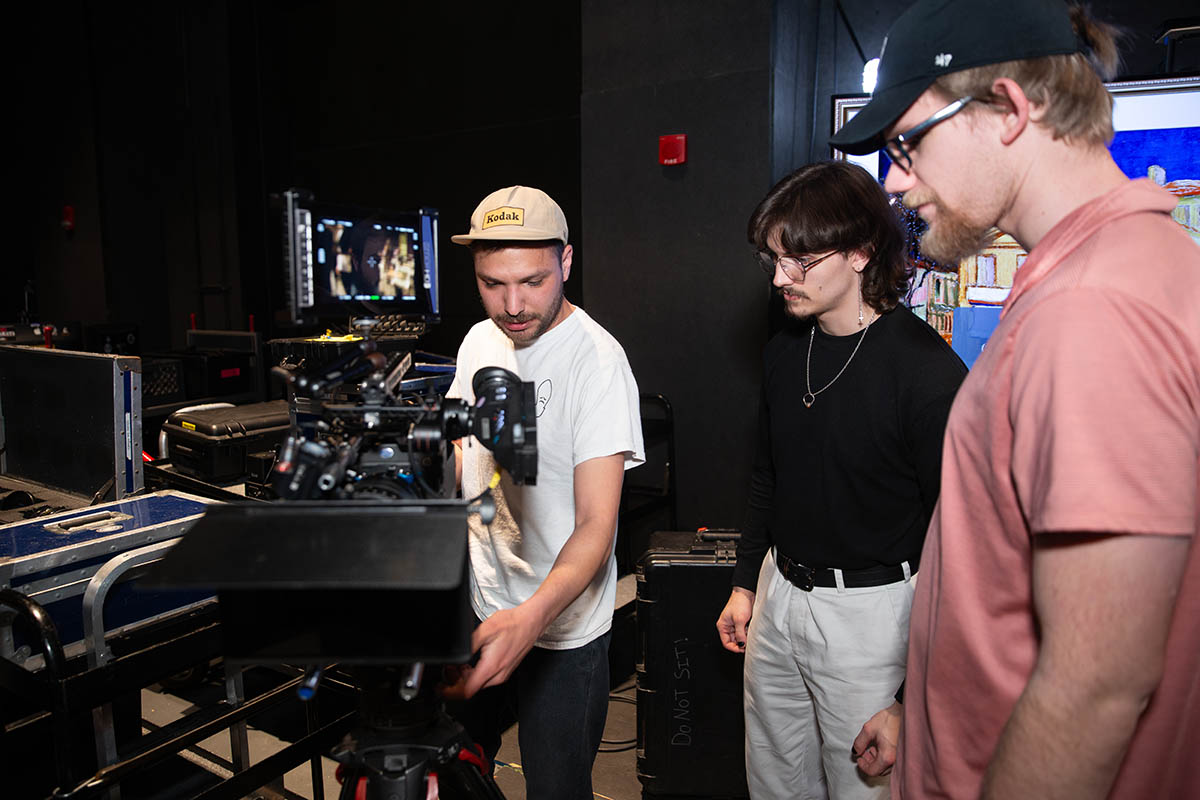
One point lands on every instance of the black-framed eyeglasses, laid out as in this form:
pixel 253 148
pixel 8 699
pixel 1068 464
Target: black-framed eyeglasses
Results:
pixel 900 146
pixel 794 267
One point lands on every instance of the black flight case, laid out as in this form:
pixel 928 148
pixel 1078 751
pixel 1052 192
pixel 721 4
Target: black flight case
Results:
pixel 214 444
pixel 689 688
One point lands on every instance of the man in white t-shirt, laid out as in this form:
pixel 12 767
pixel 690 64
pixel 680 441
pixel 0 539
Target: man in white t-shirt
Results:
pixel 543 575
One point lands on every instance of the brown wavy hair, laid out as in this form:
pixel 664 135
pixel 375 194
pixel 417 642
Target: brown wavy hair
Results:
pixel 1071 88
pixel 836 205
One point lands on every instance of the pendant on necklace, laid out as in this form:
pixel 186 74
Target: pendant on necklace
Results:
pixel 808 399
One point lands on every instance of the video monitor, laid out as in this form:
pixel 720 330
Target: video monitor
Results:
pixel 343 261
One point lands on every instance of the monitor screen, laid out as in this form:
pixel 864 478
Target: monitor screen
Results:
pixel 344 261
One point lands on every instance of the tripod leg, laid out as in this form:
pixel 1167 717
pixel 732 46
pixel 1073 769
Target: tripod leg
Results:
pixel 354 783
pixel 461 779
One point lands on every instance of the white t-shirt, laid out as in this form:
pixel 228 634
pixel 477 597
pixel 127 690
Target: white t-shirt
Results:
pixel 587 407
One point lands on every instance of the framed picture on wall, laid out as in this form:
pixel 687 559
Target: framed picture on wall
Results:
pixel 1157 125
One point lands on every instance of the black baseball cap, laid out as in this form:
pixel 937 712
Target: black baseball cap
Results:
pixel 936 37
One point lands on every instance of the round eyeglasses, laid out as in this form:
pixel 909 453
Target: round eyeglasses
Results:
pixel 794 267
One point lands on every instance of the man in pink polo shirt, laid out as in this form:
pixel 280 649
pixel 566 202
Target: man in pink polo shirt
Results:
pixel 1055 640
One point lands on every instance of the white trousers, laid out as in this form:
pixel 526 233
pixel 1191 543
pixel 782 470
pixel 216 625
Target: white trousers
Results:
pixel 818 665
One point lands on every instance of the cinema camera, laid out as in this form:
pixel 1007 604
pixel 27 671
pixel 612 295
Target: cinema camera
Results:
pixel 363 561
pixel 383 445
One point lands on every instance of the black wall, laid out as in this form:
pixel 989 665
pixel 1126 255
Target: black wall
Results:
pixel 668 272
pixel 129 125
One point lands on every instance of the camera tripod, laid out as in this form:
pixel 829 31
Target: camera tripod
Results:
pixel 406 746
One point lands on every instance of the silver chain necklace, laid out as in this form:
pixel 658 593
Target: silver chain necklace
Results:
pixel 810 396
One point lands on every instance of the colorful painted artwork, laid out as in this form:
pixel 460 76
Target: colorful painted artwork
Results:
pixel 1171 158
pixel 933 297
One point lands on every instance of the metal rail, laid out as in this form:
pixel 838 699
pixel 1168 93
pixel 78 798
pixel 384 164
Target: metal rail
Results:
pixel 114 773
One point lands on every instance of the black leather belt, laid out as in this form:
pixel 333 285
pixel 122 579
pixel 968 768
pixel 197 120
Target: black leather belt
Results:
pixel 806 578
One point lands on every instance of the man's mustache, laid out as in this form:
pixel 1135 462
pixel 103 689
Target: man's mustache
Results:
pixel 916 199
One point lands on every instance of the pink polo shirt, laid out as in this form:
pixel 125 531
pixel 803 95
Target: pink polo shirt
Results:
pixel 1082 414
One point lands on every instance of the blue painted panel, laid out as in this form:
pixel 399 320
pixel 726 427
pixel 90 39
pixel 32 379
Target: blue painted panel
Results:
pixel 127 604
pixel 972 327
pixel 1176 150
pixel 22 539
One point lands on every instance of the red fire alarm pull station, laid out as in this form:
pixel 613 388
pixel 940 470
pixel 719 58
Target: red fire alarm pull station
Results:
pixel 672 149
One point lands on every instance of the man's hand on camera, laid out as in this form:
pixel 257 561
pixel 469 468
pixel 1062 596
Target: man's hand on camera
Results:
pixel 502 641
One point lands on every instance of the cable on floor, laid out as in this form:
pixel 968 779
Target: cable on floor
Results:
pixel 621 744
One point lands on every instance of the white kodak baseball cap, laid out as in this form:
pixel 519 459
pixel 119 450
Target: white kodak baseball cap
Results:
pixel 518 213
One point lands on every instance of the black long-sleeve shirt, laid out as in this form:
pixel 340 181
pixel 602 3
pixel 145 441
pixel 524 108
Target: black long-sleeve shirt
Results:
pixel 852 481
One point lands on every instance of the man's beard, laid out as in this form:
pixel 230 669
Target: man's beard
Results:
pixel 542 323
pixel 793 313
pixel 951 237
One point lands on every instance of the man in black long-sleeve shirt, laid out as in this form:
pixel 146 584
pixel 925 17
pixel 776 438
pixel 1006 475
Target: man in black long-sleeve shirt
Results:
pixel 854 402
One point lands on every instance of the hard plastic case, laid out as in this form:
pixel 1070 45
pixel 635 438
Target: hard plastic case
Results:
pixel 689 688
pixel 71 421
pixel 213 444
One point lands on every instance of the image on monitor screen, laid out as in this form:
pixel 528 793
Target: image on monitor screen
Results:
pixel 365 260
pixel 344 261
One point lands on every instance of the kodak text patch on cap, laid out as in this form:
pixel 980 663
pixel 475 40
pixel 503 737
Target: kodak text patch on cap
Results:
pixel 504 215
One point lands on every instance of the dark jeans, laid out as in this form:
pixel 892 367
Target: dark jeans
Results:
pixel 560 698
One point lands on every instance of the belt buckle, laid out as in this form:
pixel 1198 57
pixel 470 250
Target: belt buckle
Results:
pixel 798 575
pixel 808 576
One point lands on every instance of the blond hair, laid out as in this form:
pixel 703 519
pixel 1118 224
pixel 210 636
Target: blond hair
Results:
pixel 1070 88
